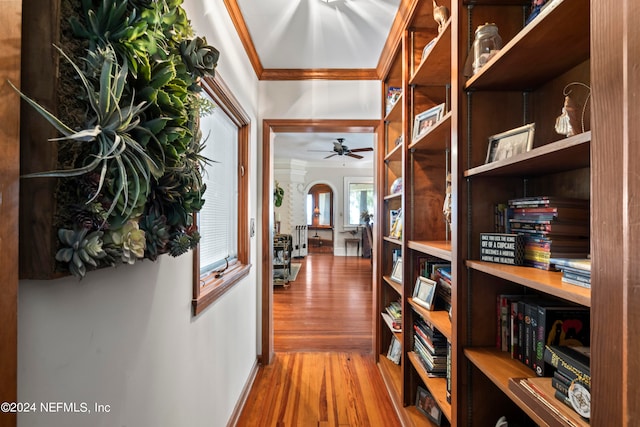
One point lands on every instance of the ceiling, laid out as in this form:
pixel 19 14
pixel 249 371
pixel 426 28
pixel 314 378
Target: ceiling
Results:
pixel 297 38
pixel 318 34
pixel 314 147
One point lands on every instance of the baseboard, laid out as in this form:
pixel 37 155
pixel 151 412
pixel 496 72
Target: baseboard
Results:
pixel 237 411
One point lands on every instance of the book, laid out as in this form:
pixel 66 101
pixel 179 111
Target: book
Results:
pixel 538 395
pixel 583 264
pixel 551 212
pixel 570 362
pixel 559 325
pixel 544 201
pixel 550 227
pixel 504 337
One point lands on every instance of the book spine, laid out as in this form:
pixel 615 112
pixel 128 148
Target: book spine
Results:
pixel 513 323
pixel 520 322
pixel 560 385
pixel 567 367
pixel 530 311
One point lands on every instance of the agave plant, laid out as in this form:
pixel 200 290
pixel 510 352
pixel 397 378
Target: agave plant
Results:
pixel 113 150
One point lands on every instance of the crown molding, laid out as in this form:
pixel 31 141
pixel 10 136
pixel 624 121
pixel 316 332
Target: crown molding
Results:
pixel 384 63
pixel 319 74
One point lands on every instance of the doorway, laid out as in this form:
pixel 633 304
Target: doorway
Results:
pixel 270 128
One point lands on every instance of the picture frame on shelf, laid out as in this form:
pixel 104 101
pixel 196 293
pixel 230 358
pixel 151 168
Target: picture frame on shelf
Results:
pixel 424 292
pixel 427 405
pixel 510 143
pixel 396 226
pixel 427 49
pixel 426 120
pixel 396 273
pixel 395 351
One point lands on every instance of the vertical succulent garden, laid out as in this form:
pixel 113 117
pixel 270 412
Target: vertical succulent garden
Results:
pixel 129 163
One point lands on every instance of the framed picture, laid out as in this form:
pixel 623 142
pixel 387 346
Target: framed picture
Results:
pixel 395 351
pixel 426 404
pixel 424 292
pixel 396 274
pixel 509 143
pixel 426 120
pixel 427 49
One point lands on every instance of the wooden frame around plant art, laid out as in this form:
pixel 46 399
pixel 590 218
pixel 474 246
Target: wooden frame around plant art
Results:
pixel 510 143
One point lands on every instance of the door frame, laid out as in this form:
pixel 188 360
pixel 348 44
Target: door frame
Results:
pixel 269 128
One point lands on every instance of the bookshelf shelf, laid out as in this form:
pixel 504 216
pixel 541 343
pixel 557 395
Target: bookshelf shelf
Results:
pixel 393 284
pixel 393 240
pixel 435 69
pixel 395 113
pixel 559 156
pixel 387 321
pixel 497 365
pixel 392 376
pixel 395 196
pixel 394 155
pixel 437 386
pixel 440 248
pixel 537 54
pixel 439 319
pixel 549 282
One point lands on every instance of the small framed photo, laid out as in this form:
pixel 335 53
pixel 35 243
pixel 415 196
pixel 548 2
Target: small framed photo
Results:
pixel 424 292
pixel 427 49
pixel 396 273
pixel 426 120
pixel 426 404
pixel 509 143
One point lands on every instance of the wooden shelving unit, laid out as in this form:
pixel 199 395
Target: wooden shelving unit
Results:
pixel 423 163
pixel 523 83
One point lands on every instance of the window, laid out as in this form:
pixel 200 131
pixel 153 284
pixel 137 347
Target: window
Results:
pixel 222 257
pixel 358 198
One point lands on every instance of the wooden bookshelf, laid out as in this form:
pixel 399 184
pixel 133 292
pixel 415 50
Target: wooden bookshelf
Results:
pixel 436 386
pixel 438 318
pixel 570 41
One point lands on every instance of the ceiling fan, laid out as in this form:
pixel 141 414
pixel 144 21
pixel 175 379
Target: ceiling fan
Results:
pixel 340 149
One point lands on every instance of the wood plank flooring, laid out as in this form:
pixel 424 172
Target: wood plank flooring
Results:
pixel 319 389
pixel 327 308
pixel 324 372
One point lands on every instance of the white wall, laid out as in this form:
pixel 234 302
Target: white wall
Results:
pixel 320 99
pixel 125 337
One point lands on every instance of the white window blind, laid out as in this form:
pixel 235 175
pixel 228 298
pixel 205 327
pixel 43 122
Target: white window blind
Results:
pixel 218 219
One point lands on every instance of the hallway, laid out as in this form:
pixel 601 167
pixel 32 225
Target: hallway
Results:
pixel 323 373
pixel 327 308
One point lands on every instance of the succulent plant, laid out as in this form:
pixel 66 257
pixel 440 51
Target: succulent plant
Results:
pixel 80 249
pixel 113 150
pixel 200 58
pixel 131 240
pixel 157 234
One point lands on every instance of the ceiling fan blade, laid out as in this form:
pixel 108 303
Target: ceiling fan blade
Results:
pixel 355 156
pixel 330 156
pixel 361 149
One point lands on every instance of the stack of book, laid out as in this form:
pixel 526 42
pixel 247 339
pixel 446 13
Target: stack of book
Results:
pixel 393 316
pixel 554 227
pixel 526 324
pixel 431 348
pixel 442 276
pixel 574 271
pixel 572 377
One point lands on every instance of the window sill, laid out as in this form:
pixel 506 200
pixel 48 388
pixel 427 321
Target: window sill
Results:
pixel 214 287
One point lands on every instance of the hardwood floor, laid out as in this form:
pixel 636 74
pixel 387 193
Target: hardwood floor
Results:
pixel 324 372
pixel 319 389
pixel 327 308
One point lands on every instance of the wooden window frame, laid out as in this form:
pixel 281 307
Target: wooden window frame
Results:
pixel 210 287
